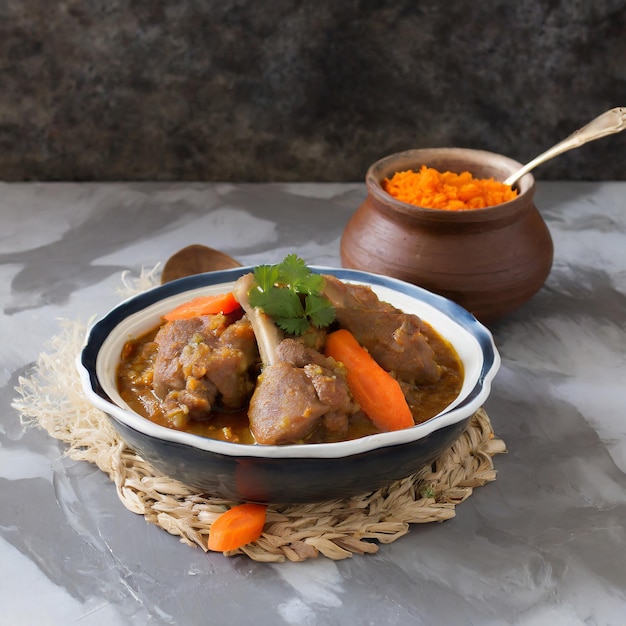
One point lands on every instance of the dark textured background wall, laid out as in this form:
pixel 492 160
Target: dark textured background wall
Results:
pixel 284 90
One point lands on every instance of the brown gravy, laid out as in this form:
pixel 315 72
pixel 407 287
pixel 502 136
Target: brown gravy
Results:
pixel 135 377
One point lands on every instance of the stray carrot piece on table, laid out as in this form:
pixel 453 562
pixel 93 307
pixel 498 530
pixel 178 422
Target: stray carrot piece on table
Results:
pixel 204 305
pixel 236 527
pixel 378 393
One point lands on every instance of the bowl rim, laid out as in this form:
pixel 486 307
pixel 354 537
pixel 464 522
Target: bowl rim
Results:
pixel 101 329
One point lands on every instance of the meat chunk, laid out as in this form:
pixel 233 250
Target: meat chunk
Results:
pixel 294 393
pixel 298 354
pixel 298 389
pixel 396 340
pixel 202 361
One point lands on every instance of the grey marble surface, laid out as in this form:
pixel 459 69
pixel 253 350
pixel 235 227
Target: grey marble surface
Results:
pixel 242 90
pixel 543 544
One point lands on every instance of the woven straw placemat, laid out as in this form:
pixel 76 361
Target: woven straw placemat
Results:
pixel 51 398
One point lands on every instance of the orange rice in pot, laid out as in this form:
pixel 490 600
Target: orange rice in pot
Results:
pixel 433 189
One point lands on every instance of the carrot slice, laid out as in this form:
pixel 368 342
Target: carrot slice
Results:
pixel 237 527
pixel 378 393
pixel 204 305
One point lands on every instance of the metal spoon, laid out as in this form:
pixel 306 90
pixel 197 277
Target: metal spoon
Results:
pixel 196 259
pixel 612 121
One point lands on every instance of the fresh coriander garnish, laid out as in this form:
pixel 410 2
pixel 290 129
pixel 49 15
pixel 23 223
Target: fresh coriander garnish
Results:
pixel 292 295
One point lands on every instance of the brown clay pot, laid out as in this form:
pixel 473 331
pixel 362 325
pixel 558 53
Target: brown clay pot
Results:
pixel 490 261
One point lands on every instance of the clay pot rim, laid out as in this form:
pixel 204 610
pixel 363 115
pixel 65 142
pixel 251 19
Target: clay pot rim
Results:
pixel 412 159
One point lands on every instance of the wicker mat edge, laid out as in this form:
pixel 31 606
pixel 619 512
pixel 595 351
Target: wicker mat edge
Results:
pixel 51 398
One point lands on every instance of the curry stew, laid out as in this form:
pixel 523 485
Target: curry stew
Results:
pixel 136 373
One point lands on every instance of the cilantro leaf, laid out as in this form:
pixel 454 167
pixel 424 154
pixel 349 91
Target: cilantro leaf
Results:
pixel 317 309
pixel 313 285
pixel 293 325
pixel 292 295
pixel 266 276
pixel 293 271
pixel 277 303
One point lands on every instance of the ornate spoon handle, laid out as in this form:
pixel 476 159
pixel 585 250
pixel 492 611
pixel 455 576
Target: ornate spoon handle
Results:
pixel 611 121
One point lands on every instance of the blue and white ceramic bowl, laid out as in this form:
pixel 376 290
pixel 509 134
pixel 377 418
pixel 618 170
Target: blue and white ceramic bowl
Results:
pixel 289 473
